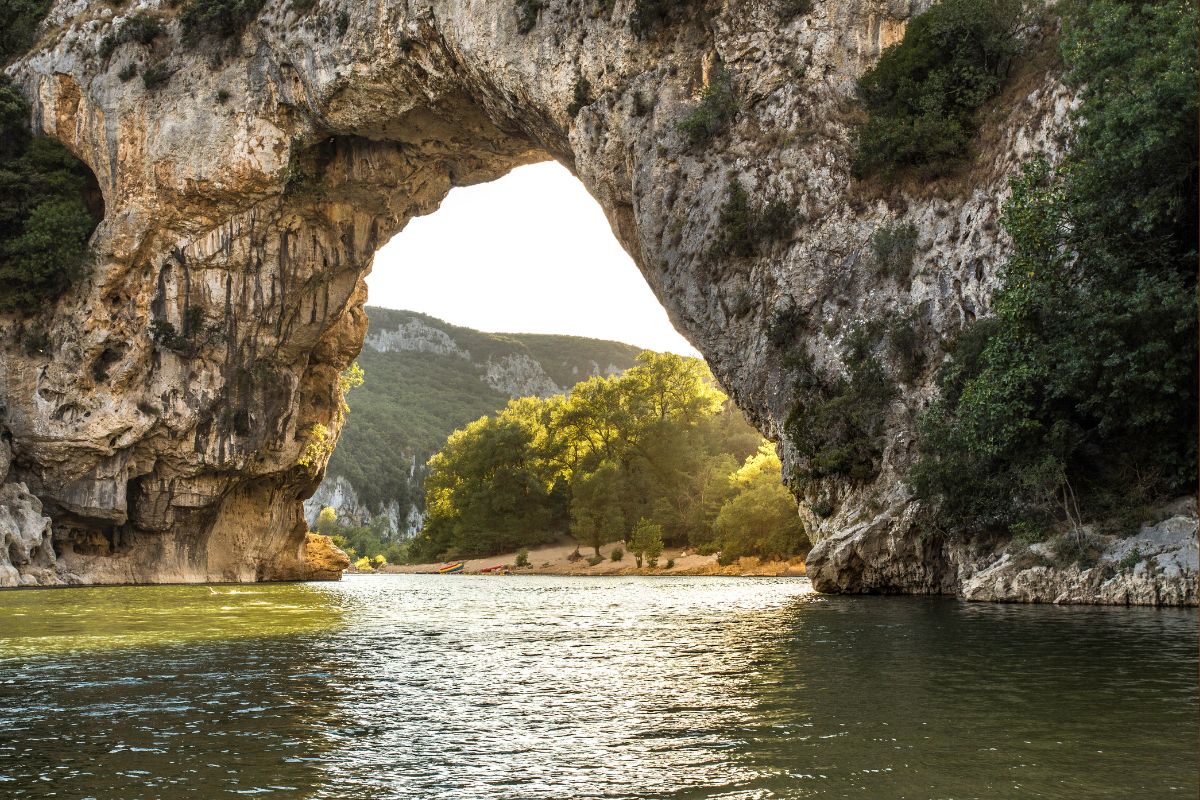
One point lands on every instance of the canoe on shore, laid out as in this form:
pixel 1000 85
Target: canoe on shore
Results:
pixel 449 569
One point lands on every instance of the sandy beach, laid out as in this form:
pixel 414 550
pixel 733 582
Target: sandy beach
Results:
pixel 556 559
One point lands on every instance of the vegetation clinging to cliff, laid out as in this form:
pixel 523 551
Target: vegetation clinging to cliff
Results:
pixel 19 31
pixel 1079 398
pixel 45 221
pixel 222 19
pixel 924 90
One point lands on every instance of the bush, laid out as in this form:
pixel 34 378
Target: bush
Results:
pixel 342 22
pixel 1079 398
pixel 646 541
pixel 581 97
pixel 715 111
pixel 527 15
pixel 1130 560
pixel 220 19
pixel 651 15
pixel 128 72
pixel 522 559
pixel 19 31
pixel 45 221
pixel 893 247
pixel 785 324
pixel 156 76
pixel 594 560
pixel 790 9
pixel 616 554
pixel 141 28
pixel 904 342
pixel 670 563
pixel 923 92
pixel 836 425
pixel 743 228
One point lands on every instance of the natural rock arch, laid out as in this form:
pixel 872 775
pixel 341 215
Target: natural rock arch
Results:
pixel 246 198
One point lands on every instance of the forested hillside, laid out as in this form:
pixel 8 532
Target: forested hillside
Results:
pixel 424 379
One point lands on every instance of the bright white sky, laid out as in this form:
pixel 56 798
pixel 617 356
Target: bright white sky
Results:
pixel 529 253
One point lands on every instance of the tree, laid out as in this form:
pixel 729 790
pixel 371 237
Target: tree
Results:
pixel 761 517
pixel 45 220
pixel 646 541
pixel 1082 390
pixel 327 521
pixel 493 486
pixel 596 513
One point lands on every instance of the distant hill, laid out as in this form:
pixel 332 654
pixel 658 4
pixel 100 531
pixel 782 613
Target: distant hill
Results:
pixel 424 379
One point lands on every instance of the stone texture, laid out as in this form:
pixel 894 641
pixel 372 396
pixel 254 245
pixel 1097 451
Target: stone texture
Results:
pixel 321 559
pixel 26 547
pixel 244 201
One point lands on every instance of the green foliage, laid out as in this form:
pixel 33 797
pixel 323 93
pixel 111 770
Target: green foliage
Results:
pixel 837 423
pixel 904 341
pixel 219 19
pixel 744 228
pixel 596 517
pixel 527 15
pixel 327 521
pixel 650 16
pixel 370 542
pixel 790 9
pixel 893 247
pixel 581 96
pixel 186 342
pixel 1079 398
pixel 155 76
pixel 715 111
pixel 45 221
pixel 923 92
pixel 411 401
pixel 657 443
pixel 342 22
pixel 616 554
pixel 760 518
pixel 19 31
pixel 1130 559
pixel 784 325
pixel 140 28
pixel 128 72
pixel 522 559
pixel 646 542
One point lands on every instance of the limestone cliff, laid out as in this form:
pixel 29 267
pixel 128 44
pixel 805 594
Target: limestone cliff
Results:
pixel 245 196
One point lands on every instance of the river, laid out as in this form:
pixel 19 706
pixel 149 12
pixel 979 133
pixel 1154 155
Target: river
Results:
pixel 410 686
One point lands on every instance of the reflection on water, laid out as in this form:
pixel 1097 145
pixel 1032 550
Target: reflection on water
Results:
pixel 473 687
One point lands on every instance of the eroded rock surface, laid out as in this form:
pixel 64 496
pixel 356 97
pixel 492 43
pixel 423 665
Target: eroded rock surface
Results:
pixel 245 198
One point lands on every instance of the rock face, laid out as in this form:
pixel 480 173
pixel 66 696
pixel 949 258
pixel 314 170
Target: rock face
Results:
pixel 1157 566
pixel 321 560
pixel 244 200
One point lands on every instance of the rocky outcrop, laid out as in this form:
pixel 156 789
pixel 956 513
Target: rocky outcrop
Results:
pixel 519 376
pixel 416 336
pixel 321 559
pixel 164 426
pixel 26 548
pixel 1159 565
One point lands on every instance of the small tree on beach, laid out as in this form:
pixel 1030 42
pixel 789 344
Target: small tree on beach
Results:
pixel 646 541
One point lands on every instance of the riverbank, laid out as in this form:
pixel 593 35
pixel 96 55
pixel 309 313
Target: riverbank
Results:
pixel 559 559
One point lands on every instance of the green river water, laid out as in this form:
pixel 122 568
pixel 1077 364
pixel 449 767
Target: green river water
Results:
pixel 458 687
